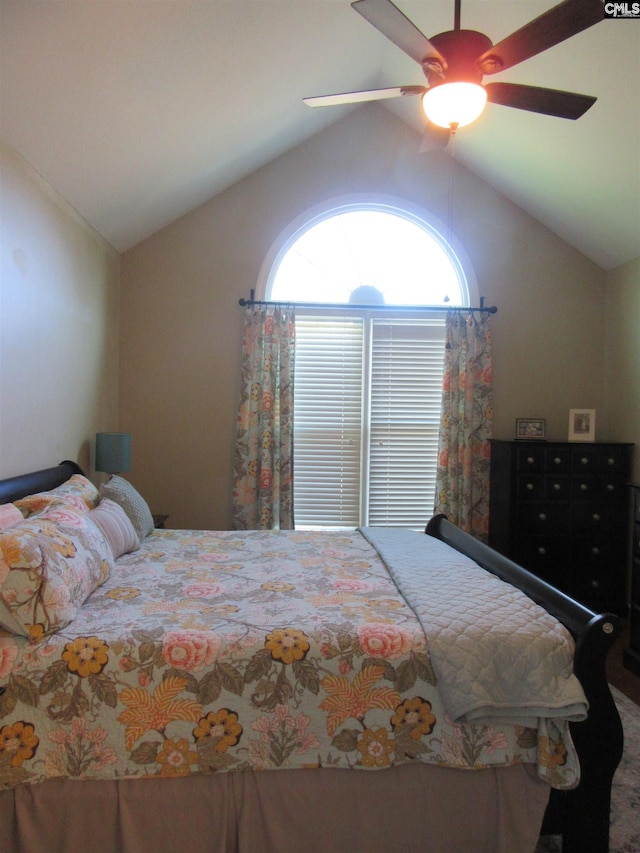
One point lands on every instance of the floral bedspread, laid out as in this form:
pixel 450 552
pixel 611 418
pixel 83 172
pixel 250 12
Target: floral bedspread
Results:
pixel 209 651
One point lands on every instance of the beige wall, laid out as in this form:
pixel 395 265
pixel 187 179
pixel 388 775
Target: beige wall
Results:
pixel 58 326
pixel 566 334
pixel 622 356
pixel 181 325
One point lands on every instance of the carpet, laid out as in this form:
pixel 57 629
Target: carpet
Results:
pixel 624 835
pixel 625 794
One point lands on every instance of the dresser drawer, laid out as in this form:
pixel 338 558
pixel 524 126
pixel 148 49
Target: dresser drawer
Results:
pixel 615 461
pixel 557 460
pixel 584 460
pixel 597 550
pixel 530 487
pixel 536 487
pixel 542 554
pixel 588 516
pixel 596 585
pixel 597 458
pixel 530 458
pixel 542 516
pixel 599 488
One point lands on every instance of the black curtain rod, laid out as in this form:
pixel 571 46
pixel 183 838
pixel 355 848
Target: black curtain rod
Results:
pixel 488 309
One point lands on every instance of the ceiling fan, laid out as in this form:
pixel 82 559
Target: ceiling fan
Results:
pixel 458 60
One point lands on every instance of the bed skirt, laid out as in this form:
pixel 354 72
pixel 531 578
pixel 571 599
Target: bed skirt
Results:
pixel 406 808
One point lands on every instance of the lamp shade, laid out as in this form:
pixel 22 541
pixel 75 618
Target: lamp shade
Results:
pixel 113 452
pixel 454 104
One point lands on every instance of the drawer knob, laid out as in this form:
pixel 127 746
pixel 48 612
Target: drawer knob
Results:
pixel 611 461
pixel 556 487
pixel 542 516
pixel 594 584
pixel 583 487
pixel 596 516
pixel 542 551
pixel 557 460
pixel 610 487
pixel 530 460
pixel 529 487
pixel 584 460
pixel 595 550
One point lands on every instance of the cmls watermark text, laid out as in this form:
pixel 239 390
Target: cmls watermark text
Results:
pixel 622 10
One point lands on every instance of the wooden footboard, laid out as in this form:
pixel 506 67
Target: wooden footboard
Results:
pixel 581 816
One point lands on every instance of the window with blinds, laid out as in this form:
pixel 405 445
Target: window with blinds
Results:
pixel 368 393
pixel 328 421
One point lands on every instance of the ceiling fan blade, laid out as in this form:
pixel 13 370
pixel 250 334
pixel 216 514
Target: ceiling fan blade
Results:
pixel 367 95
pixel 395 25
pixel 551 102
pixel 434 137
pixel 559 23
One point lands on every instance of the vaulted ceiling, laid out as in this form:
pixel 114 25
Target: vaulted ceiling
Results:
pixel 138 111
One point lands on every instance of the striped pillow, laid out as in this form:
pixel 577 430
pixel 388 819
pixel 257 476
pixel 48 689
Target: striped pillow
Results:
pixel 115 526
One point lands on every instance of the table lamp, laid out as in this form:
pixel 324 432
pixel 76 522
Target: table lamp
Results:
pixel 113 452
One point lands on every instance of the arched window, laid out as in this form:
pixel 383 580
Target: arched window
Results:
pixel 333 252
pixel 368 379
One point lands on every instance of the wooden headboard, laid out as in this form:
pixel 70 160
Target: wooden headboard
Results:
pixel 38 481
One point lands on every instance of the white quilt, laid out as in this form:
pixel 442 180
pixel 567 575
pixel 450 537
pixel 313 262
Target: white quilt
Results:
pixel 496 653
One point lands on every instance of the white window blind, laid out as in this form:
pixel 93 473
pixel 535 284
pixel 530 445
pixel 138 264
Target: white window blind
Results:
pixel 367 411
pixel 406 399
pixel 328 421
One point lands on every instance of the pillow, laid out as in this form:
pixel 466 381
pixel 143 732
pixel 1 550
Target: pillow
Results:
pixel 122 492
pixel 9 515
pixel 115 526
pixel 77 491
pixel 49 565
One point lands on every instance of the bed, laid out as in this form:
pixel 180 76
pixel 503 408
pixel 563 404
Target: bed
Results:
pixel 280 690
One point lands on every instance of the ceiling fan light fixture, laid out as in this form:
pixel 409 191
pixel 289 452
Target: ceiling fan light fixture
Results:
pixel 455 104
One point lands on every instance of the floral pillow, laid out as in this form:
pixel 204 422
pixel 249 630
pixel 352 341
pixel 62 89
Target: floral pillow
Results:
pixel 49 565
pixel 77 491
pixel 9 515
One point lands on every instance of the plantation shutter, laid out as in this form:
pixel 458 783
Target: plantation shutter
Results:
pixel 407 362
pixel 328 421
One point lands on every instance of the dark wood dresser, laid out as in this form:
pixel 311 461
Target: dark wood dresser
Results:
pixel 632 653
pixel 561 510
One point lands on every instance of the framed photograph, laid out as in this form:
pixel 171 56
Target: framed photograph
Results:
pixel 531 429
pixel 582 424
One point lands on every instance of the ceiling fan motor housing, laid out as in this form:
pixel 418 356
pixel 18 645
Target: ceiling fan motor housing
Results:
pixel 464 56
pixel 461 50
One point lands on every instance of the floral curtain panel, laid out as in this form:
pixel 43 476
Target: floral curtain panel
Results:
pixel 263 489
pixel 462 480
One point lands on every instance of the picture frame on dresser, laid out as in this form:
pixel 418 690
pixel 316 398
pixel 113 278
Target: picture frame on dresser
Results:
pixel 582 424
pixel 531 429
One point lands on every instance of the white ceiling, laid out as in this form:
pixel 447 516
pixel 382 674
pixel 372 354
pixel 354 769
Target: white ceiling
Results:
pixel 138 111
